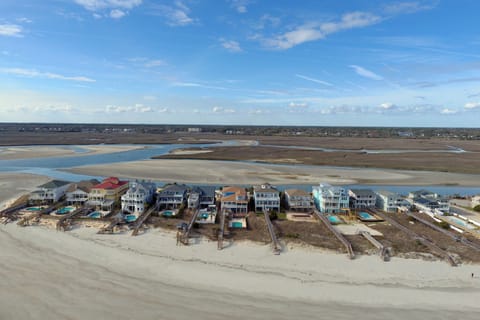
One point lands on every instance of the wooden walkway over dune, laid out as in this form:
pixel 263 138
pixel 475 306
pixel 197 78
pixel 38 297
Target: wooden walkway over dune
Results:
pixel 383 251
pixel 222 230
pixel 142 218
pixel 343 240
pixel 66 221
pixel 277 248
pixel 418 237
pixel 184 237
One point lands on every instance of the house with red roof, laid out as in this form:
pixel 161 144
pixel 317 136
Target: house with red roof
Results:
pixel 107 193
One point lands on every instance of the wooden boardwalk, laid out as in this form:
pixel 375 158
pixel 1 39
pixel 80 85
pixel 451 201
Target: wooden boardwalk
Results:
pixel 184 237
pixel 65 222
pixel 455 237
pixel 383 251
pixel 277 248
pixel 142 218
pixel 35 217
pixel 222 230
pixel 111 227
pixel 343 240
pixel 418 237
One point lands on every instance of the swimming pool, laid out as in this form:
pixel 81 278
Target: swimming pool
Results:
pixel 65 210
pixel 168 213
pixel 34 209
pixel 95 215
pixel 460 222
pixel 334 220
pixel 130 217
pixel 366 216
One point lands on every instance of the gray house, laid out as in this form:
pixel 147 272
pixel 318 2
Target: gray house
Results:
pixel 172 196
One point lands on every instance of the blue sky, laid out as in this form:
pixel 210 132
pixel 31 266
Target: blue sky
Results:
pixel 358 63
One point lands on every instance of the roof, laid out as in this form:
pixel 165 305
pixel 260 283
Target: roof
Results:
pixel 424 201
pixel 205 190
pixel 363 192
pixel 386 193
pixel 111 183
pixel 173 188
pixel 297 192
pixel 233 193
pixel 85 185
pixel 421 192
pixel 266 187
pixel 54 184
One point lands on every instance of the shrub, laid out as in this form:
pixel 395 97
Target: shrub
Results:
pixel 477 208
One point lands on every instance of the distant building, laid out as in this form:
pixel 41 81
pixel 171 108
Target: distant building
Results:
pixel 201 197
pixel 267 198
pixel 194 130
pixel 137 196
pixel 330 199
pixel 426 200
pixel 298 200
pixel 77 193
pixel 49 192
pixel 234 199
pixel 362 198
pixel 390 201
pixel 172 196
pixel 107 193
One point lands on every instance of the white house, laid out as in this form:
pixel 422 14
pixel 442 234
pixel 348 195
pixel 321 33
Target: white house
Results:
pixel 235 200
pixel 362 198
pixel 267 198
pixel 137 196
pixel 330 199
pixel 49 192
pixel 172 196
pixel 390 201
pixel 298 200
pixel 77 193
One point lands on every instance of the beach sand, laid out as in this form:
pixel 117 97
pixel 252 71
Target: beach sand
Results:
pixel 13 185
pixel 81 275
pixel 230 172
pixel 29 152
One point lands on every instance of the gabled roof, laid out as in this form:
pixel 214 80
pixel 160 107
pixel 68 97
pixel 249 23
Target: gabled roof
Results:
pixel 231 193
pixel 173 188
pixel 387 193
pixel 297 193
pixel 85 185
pixel 266 187
pixel 110 183
pixel 54 184
pixel 204 190
pixel 363 192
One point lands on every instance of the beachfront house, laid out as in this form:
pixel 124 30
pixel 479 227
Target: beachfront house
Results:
pixel 475 201
pixel 172 196
pixel 138 195
pixel 390 201
pixel 426 200
pixel 49 192
pixel 267 198
pixel 330 199
pixel 234 199
pixel 298 200
pixel 77 193
pixel 106 194
pixel 201 197
pixel 362 198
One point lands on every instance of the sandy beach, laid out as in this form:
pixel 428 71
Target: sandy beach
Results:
pixel 230 172
pixel 13 185
pixel 29 152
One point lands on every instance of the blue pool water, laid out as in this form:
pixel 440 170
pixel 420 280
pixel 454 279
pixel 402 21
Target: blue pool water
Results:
pixel 34 209
pixel 460 222
pixel 130 218
pixel 64 210
pixel 94 214
pixel 366 216
pixel 167 213
pixel 334 219
pixel 204 215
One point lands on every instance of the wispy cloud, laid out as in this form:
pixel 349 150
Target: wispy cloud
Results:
pixel 45 108
pixel 431 84
pixel 295 105
pixel 30 73
pixel 448 111
pixel 114 9
pixel 325 83
pixel 196 85
pixel 10 30
pixel 314 31
pixel 176 15
pixel 361 71
pixel 407 7
pixel 230 45
pixel 24 20
pixel 223 110
pixel 137 108
pixel 472 105
pixel 240 5
pixel 147 62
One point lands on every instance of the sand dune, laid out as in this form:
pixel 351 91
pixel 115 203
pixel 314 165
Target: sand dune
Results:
pixel 230 172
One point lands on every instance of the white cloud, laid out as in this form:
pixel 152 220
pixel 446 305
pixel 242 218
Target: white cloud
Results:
pixel 95 5
pixel 46 108
pixel 230 45
pixel 240 5
pixel 259 111
pixel 300 105
pixel 448 111
pixel 176 15
pixel 24 20
pixel 314 31
pixel 148 63
pixel 196 85
pixel 137 108
pixel 222 110
pixel 10 30
pixel 117 14
pixel 472 105
pixel 409 7
pixel 325 83
pixel 361 71
pixel 48 75
pixel 154 63
pixel 387 106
